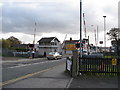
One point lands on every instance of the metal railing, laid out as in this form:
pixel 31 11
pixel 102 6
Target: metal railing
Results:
pixel 99 65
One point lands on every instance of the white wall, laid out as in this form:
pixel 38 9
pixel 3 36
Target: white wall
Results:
pixel 53 47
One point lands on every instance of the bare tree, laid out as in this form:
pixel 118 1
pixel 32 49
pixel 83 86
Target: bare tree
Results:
pixel 114 36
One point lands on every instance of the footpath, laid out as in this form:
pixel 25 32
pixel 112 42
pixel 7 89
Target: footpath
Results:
pixel 57 78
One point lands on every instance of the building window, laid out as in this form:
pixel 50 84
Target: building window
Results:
pixel 52 43
pixel 55 43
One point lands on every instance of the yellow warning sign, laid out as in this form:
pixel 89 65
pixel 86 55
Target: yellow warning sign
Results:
pixel 70 47
pixel 114 61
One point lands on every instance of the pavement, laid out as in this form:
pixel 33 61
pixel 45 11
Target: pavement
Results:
pixel 58 78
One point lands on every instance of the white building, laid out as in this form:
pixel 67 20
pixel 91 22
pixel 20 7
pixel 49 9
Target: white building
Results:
pixel 49 44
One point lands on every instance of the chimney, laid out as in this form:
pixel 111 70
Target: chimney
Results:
pixel 70 39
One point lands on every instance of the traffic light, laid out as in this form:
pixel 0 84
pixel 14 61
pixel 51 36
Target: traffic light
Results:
pixel 83 41
pixel 77 45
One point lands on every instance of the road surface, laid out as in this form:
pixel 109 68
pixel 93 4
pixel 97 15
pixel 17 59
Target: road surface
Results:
pixel 13 70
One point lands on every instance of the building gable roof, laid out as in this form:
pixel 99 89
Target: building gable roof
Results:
pixel 47 39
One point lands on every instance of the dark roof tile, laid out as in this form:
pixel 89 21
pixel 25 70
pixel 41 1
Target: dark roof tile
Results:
pixel 47 39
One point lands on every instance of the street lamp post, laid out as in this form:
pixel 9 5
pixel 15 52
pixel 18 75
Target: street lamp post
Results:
pixel 34 34
pixel 104 32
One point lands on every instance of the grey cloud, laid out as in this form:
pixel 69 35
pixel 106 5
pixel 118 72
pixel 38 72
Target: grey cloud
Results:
pixel 50 17
pixel 94 16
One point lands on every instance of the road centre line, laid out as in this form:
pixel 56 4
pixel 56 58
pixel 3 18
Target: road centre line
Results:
pixel 21 60
pixel 23 65
pixel 26 76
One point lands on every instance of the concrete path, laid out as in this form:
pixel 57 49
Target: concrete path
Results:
pixel 94 81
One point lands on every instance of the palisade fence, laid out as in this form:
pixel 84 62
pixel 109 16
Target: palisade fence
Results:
pixel 7 52
pixel 103 66
pixel 95 64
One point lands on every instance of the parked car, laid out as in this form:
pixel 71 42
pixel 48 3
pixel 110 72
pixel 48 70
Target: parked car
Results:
pixel 85 52
pixel 97 54
pixel 54 55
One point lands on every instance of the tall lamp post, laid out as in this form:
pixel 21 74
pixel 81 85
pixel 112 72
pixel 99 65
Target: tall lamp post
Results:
pixel 104 32
pixel 34 34
pixel 33 51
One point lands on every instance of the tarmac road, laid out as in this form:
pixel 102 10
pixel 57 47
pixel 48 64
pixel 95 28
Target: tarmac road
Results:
pixel 12 70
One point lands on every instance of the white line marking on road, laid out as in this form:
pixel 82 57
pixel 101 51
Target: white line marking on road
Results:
pixel 21 60
pixel 23 65
pixel 68 85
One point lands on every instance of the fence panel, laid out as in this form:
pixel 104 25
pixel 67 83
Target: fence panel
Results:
pixel 99 65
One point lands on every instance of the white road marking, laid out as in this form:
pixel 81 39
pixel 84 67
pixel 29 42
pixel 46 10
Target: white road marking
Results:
pixel 23 65
pixel 20 60
pixel 68 85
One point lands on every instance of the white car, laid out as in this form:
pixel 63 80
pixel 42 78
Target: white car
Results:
pixel 85 52
pixel 54 55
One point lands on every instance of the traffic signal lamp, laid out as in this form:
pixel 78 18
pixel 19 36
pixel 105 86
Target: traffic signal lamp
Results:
pixel 78 45
pixel 83 41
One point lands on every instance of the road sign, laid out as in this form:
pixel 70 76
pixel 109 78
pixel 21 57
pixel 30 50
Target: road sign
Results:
pixel 70 47
pixel 114 61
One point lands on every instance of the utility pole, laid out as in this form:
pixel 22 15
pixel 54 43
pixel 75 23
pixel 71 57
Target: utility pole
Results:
pixel 97 40
pixel 63 45
pixel 81 28
pixel 33 49
pixel 104 32
pixel 97 35
pixel 34 34
pixel 88 45
pixel 80 60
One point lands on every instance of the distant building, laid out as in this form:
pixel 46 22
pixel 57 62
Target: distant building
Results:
pixel 49 44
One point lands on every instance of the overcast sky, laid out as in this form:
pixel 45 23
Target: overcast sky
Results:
pixel 56 18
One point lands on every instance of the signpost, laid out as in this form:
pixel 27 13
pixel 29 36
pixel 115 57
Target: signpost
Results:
pixel 70 47
pixel 114 61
